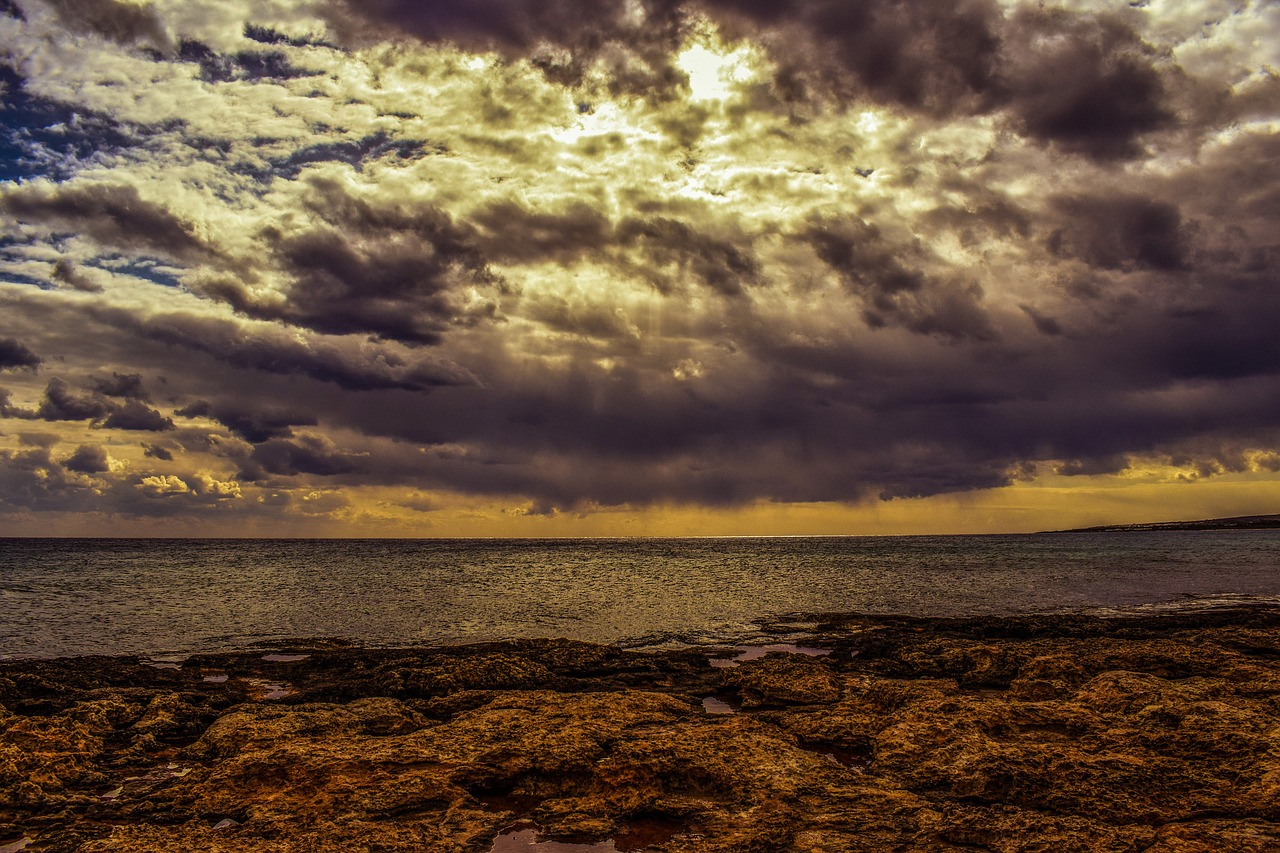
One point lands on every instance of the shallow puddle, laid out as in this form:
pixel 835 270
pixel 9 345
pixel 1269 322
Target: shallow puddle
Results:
pixel 268 690
pixel 745 653
pixel 517 803
pixel 857 762
pixel 643 833
pixel 523 838
pixel 216 678
pixel 277 658
pixel 15 846
pixel 712 705
pixel 151 777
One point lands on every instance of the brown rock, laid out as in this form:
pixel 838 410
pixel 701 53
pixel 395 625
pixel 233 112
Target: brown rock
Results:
pixel 1040 734
pixel 783 679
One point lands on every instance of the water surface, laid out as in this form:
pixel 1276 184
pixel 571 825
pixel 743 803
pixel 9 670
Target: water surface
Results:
pixel 149 596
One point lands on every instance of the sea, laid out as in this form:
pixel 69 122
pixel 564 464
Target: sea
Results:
pixel 158 597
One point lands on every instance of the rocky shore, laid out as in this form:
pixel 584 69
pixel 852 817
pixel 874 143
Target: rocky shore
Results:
pixel 852 733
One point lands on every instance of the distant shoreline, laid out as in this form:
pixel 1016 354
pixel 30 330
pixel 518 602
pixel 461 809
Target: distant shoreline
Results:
pixel 1240 522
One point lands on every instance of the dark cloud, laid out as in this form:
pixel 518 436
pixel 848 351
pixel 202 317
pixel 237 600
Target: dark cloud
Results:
pixel 1120 232
pixel 356 152
pixel 120 21
pixel 894 292
pixel 135 415
pixel 665 251
pixel 397 271
pixel 114 215
pixel 514 233
pixel 88 459
pixel 30 480
pixel 1097 465
pixel 632 42
pixel 282 351
pixel 267 35
pixel 155 451
pixel 15 354
pixel 1044 323
pixel 246 65
pixel 510 24
pixel 254 426
pixel 792 356
pixel 1084 83
pixel 127 385
pixel 64 271
pixel 516 27
pixel 37 439
pixel 305 454
pixel 678 251
pixel 60 403
pixel 932 55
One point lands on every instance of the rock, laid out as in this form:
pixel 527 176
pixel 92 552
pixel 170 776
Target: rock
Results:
pixel 783 679
pixel 1035 734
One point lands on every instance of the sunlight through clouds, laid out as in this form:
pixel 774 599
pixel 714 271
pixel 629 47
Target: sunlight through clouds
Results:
pixel 634 256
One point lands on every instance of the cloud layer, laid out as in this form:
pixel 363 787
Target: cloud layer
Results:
pixel 268 260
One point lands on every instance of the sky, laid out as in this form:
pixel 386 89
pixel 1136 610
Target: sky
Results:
pixel 636 267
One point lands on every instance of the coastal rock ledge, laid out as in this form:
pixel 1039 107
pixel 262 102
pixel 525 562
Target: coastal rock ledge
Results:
pixel 1158 733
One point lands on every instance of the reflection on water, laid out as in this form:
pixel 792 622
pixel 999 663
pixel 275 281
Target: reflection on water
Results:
pixel 267 691
pixel 524 839
pixel 745 653
pixel 111 596
pixel 712 705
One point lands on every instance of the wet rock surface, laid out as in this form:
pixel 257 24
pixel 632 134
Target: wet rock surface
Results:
pixel 1014 734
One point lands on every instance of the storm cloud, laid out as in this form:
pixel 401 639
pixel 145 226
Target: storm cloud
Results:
pixel 115 215
pixel 15 355
pixel 335 262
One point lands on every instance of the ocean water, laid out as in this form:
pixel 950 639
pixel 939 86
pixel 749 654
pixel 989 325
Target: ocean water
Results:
pixel 152 596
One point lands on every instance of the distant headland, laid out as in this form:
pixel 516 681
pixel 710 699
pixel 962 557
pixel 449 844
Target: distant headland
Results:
pixel 1241 522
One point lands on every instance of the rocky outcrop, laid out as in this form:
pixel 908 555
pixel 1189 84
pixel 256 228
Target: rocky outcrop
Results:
pixel 1158 734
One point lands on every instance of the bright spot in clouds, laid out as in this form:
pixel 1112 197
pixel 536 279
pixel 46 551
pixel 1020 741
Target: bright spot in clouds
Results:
pixel 713 74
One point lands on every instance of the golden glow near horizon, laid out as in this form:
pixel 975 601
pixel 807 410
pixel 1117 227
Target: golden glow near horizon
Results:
pixel 651 268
